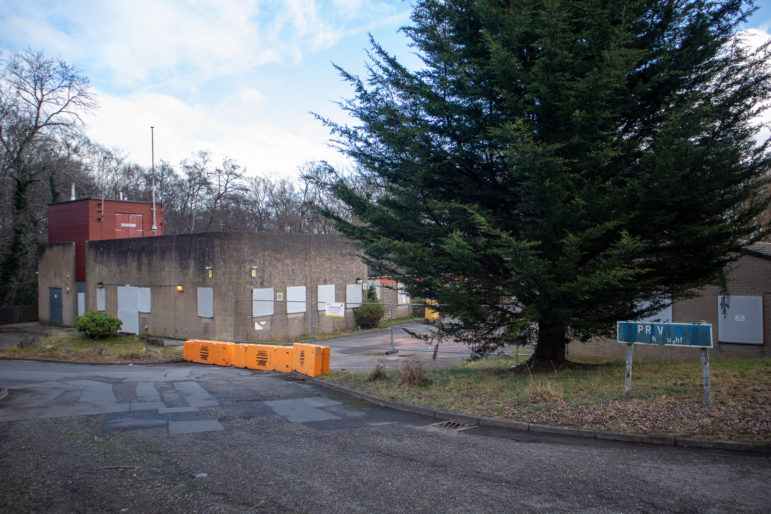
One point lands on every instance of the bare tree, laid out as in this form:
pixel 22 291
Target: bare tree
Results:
pixel 41 101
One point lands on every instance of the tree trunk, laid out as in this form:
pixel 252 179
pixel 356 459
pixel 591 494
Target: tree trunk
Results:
pixel 550 349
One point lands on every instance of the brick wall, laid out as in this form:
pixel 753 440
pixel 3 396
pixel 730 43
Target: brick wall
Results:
pixel 749 276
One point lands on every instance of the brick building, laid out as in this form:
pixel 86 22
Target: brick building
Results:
pixel 223 286
pixel 78 221
pixel 743 332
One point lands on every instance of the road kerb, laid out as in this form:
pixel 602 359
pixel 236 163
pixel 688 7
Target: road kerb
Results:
pixel 607 435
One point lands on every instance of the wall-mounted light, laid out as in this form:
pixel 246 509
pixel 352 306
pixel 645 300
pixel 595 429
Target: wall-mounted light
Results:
pixel 359 281
pixel 254 271
pixel 209 271
pixel 180 288
pixel 100 285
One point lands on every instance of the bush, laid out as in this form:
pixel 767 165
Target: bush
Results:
pixel 98 325
pixel 368 315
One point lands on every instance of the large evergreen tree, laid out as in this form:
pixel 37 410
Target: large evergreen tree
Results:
pixel 554 166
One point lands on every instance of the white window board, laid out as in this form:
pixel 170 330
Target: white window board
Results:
pixel 100 299
pixel 353 295
pixel 205 302
pixel 326 294
pixel 295 299
pixel 742 322
pixel 262 304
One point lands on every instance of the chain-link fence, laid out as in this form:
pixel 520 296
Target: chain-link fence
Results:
pixel 285 321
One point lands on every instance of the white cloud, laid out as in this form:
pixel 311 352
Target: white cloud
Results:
pixel 182 129
pixel 227 76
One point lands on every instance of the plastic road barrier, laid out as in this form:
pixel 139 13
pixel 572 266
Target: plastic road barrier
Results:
pixel 431 314
pixel 282 358
pixel 308 359
pixel 209 352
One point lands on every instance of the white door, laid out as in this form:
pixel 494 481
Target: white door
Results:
pixel 128 309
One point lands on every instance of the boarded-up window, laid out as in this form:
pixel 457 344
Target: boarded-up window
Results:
pixel 143 300
pixel 205 302
pixel 295 299
pixel 403 297
pixel 353 295
pixel 326 294
pixel 262 304
pixel 742 322
pixel 100 301
pixel 127 309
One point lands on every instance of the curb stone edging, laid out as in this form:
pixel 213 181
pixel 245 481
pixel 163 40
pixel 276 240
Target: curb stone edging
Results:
pixel 663 440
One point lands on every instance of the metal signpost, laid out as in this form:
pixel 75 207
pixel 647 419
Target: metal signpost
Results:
pixel 694 335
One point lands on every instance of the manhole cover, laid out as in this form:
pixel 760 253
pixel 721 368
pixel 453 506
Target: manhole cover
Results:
pixel 453 425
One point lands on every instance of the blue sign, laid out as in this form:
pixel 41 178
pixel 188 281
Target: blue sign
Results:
pixel 696 335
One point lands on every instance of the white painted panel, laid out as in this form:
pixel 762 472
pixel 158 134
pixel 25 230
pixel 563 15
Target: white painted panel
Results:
pixel 100 302
pixel 742 322
pixel 353 295
pixel 403 296
pixel 143 299
pixel 127 309
pixel 326 294
pixel 81 304
pixel 262 304
pixel 295 297
pixel 205 302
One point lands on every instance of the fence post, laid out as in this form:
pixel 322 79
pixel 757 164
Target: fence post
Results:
pixel 314 314
pixel 391 350
pixel 628 378
pixel 235 319
pixel 705 376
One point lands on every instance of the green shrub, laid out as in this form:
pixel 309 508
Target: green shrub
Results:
pixel 368 315
pixel 98 325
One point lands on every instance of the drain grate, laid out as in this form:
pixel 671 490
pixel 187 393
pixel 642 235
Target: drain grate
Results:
pixel 453 425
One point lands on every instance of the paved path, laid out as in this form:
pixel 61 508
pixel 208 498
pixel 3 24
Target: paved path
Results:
pixel 196 438
pixel 362 351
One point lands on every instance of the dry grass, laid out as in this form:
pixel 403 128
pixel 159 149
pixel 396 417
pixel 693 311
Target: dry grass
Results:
pixel 543 391
pixel 75 348
pixel 667 396
pixel 413 374
pixel 377 373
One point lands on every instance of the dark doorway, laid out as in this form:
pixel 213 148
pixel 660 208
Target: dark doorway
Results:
pixel 55 304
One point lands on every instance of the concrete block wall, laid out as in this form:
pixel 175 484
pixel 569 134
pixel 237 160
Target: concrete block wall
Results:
pixel 56 268
pixel 279 261
pixel 750 275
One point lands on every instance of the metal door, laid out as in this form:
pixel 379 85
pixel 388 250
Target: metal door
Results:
pixel 128 225
pixel 55 304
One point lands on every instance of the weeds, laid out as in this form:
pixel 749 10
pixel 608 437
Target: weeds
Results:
pixel 377 373
pixel 544 391
pixel 413 374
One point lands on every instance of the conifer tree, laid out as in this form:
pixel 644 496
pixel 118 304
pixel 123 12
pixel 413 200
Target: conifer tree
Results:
pixel 555 166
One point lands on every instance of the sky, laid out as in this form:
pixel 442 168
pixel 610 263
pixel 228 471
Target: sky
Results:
pixel 236 78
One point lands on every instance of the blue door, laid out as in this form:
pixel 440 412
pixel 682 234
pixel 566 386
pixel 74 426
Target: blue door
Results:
pixel 55 304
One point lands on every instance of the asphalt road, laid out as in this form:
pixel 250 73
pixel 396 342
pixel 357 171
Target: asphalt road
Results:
pixel 196 438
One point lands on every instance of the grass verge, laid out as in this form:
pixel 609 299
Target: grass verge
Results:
pixel 75 348
pixel 667 396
